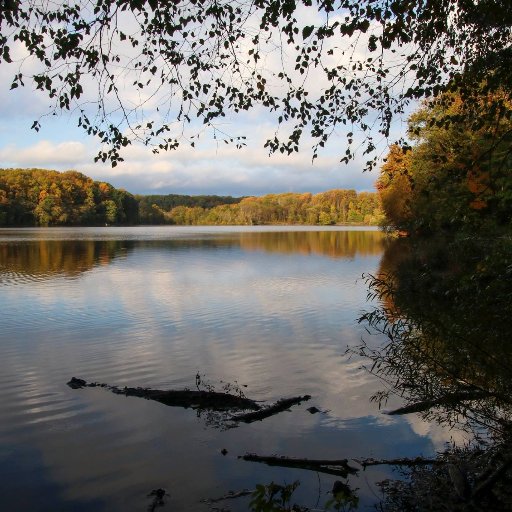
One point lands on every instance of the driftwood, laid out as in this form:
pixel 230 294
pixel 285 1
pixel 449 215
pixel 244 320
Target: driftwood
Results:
pixel 417 461
pixel 265 412
pixel 211 400
pixel 451 399
pixel 339 467
pixel 230 496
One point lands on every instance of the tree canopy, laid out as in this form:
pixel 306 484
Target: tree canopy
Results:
pixel 455 176
pixel 325 208
pixel 163 72
pixel 41 197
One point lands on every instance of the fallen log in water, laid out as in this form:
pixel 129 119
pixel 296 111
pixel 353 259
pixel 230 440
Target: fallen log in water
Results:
pixel 416 461
pixel 265 412
pixel 211 400
pixel 450 399
pixel 339 467
pixel 201 400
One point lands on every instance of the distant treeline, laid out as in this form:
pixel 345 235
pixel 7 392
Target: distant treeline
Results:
pixel 38 197
pixel 325 208
pixel 152 208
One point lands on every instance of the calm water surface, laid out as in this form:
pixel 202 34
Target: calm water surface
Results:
pixel 273 309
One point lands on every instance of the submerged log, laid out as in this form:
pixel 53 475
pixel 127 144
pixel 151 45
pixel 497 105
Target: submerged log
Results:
pixel 211 400
pixel 230 496
pixel 281 405
pixel 416 461
pixel 339 467
pixel 451 399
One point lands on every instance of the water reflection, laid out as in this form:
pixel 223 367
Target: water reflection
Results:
pixel 446 312
pixel 34 257
pixel 50 258
pixel 274 312
pixel 336 244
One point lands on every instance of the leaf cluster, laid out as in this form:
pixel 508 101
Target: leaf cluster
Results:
pixel 190 63
pixel 49 198
pixel 457 174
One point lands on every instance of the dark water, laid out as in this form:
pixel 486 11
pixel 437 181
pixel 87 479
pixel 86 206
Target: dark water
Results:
pixel 273 310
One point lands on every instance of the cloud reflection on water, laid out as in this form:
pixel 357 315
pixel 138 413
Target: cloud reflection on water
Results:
pixel 231 306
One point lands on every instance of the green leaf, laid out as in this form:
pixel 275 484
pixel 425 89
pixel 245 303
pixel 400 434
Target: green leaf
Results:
pixel 307 31
pixel 6 55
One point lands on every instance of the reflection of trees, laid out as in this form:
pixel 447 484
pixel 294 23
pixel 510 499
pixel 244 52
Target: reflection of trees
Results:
pixel 47 258
pixel 446 310
pixel 56 257
pixel 336 244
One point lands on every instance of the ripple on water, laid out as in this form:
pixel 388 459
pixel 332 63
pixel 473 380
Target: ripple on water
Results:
pixel 153 311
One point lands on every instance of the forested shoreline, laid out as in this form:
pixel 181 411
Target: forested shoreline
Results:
pixel 451 177
pixel 40 197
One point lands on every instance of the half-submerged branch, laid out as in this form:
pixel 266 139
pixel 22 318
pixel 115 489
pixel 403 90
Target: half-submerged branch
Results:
pixel 201 400
pixel 339 467
pixel 451 399
pixel 211 400
pixel 281 405
pixel 416 461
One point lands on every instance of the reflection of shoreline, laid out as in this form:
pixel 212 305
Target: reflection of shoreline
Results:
pixel 46 258
pixel 50 258
pixel 335 244
pixel 445 306
pixel 445 309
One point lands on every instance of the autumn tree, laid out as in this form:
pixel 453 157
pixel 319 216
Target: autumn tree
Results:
pixel 455 175
pixel 325 208
pixel 463 174
pixel 320 68
pixel 395 187
pixel 50 198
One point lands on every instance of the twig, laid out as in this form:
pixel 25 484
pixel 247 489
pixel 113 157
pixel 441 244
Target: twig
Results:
pixel 230 495
pixel 332 467
pixel 280 406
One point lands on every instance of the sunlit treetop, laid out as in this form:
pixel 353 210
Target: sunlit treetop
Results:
pixel 163 72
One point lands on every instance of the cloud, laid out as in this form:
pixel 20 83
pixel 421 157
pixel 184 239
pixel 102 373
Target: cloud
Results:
pixel 212 167
pixel 44 153
pixel 209 168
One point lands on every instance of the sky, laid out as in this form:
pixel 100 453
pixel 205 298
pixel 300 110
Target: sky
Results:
pixel 211 167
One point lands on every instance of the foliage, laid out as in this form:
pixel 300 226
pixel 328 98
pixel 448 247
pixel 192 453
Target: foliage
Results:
pixel 169 201
pixel 273 498
pixel 395 187
pixel 38 197
pixel 325 208
pixel 278 498
pixel 49 198
pixel 444 310
pixel 315 66
pixel 456 176
pixel 152 208
pixel 461 480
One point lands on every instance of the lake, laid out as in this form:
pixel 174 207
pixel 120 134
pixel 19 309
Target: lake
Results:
pixel 268 310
